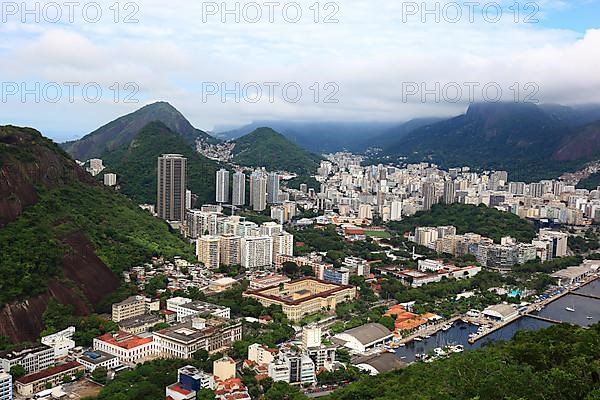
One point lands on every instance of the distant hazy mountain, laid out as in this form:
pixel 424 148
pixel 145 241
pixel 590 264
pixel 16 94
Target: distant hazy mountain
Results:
pixel 122 131
pixel 395 134
pixel 266 148
pixel 526 140
pixel 319 137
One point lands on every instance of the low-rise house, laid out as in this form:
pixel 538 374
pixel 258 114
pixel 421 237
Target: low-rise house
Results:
pixel 366 337
pixel 98 359
pixel 30 384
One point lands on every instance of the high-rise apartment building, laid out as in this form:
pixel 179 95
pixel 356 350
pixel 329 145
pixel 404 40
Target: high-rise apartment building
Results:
pixel 222 189
pixel 172 182
pixel 429 198
pixel 208 251
pixel 273 188
pixel 257 251
pixel 449 192
pixel 231 249
pixel 258 191
pixel 238 197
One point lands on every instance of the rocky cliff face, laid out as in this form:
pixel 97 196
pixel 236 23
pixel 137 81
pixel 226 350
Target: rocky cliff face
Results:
pixel 30 163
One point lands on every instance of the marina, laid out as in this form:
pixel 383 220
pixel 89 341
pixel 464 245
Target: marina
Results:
pixel 580 306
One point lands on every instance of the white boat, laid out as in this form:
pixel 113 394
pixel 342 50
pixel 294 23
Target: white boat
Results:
pixel 459 348
pixel 590 317
pixel 427 337
pixel 418 339
pixel 570 309
pixel 446 327
pixel 402 344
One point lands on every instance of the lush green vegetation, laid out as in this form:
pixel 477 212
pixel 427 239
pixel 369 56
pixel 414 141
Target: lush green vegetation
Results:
pixel 33 250
pixel 60 316
pixel 136 164
pixel 590 241
pixel 558 363
pixel 266 148
pixel 308 180
pixel 482 220
pixel 590 183
pixel 326 239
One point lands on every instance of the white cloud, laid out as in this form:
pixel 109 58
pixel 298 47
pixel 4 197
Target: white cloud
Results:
pixel 369 54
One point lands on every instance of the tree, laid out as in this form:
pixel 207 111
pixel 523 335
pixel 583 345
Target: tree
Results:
pixel 388 322
pixel 17 371
pixel 283 391
pixel 290 269
pixel 99 375
pixel 205 394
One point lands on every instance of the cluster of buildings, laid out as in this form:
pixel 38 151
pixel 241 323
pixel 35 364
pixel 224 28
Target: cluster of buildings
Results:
pixel 295 365
pixel 548 244
pixel 46 364
pixel 234 241
pixel 351 190
pixel 429 271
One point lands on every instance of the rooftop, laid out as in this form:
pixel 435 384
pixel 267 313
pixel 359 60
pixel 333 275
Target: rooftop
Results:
pixel 124 340
pixel 48 372
pixel 369 333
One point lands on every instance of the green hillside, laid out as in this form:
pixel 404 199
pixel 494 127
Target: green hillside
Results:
pixel 519 138
pixel 124 129
pixel 266 148
pixel 482 220
pixel 591 183
pixel 557 363
pixel 136 164
pixel 69 212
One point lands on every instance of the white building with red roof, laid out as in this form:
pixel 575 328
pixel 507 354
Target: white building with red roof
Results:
pixel 128 348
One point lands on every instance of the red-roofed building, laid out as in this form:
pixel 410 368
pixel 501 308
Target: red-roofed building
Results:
pixel 30 384
pixel 128 348
pixel 177 392
pixel 232 389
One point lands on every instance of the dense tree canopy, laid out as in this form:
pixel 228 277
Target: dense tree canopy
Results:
pixel 482 220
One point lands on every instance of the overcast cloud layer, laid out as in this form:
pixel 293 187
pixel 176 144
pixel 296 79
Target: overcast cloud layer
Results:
pixel 365 66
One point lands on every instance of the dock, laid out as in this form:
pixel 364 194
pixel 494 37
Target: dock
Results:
pixel 553 321
pixel 589 296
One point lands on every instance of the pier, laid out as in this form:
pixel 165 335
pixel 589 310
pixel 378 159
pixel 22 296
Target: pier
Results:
pixel 589 296
pixel 553 321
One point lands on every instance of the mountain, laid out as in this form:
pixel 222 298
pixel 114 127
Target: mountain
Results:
pixel 319 137
pixel 124 129
pixel 135 164
pixel 391 136
pixel 63 235
pixel 583 143
pixel 574 116
pixel 521 138
pixel 266 148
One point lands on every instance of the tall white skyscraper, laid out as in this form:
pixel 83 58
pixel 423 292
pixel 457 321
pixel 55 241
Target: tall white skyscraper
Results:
pixel 172 183
pixel 222 192
pixel 449 192
pixel 239 189
pixel 396 210
pixel 258 191
pixel 273 188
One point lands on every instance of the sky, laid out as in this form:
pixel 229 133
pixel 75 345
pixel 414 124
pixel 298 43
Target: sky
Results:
pixel 69 67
